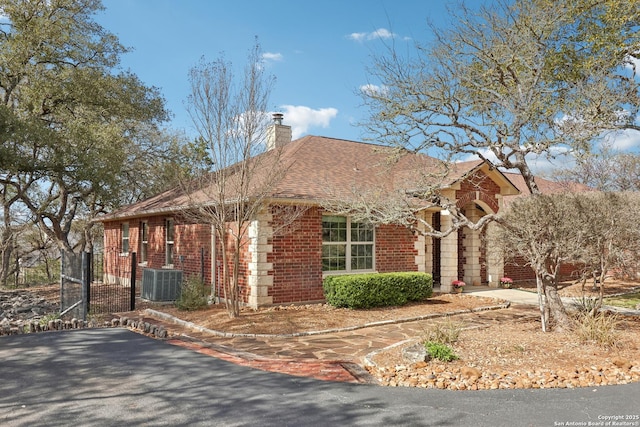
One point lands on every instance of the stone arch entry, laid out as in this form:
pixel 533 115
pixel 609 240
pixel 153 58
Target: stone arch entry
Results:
pixel 462 255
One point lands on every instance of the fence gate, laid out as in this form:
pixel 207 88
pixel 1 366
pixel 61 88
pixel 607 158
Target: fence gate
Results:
pixel 75 270
pixel 86 288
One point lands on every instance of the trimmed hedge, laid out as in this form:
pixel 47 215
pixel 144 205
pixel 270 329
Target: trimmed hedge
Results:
pixel 376 289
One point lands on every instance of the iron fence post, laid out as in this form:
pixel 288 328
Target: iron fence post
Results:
pixel 133 281
pixel 86 282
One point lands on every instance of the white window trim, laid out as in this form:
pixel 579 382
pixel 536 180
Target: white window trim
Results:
pixel 348 244
pixel 122 239
pixel 167 241
pixel 144 242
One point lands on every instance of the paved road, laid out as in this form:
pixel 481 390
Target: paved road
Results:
pixel 115 377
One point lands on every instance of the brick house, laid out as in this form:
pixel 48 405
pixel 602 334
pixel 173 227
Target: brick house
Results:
pixel 289 268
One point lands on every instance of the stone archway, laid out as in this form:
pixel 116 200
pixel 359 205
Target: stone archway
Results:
pixel 462 254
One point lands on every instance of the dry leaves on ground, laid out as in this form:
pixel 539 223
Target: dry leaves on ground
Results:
pixel 319 317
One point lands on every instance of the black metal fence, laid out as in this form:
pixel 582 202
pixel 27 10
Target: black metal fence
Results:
pixel 97 283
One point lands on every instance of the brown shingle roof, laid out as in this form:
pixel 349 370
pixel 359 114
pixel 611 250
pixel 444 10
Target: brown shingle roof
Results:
pixel 318 168
pixel 322 167
pixel 544 185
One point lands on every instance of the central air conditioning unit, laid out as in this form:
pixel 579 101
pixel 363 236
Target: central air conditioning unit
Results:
pixel 161 284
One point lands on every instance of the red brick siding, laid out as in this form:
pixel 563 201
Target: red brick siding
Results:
pixel 192 249
pixel 395 249
pixel 189 240
pixel 243 264
pixel 296 256
pixel 519 272
pixel 297 260
pixel 478 182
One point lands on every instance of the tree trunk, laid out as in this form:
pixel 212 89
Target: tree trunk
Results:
pixel 544 314
pixel 235 286
pixel 558 313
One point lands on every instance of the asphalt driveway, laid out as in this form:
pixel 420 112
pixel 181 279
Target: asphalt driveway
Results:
pixel 115 377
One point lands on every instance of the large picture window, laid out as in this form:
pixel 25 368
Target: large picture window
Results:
pixel 346 245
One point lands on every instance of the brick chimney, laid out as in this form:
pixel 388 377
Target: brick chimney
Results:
pixel 278 135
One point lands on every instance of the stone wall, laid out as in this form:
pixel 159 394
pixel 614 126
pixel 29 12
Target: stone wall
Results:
pixel 23 312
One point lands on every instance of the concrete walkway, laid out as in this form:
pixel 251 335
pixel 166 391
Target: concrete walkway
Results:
pixel 517 296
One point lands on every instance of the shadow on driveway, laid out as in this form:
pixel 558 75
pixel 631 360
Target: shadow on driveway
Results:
pixel 109 377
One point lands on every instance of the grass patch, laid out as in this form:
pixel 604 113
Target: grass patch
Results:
pixel 626 301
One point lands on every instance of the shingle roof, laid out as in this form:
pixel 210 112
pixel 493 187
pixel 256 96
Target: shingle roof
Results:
pixel 323 167
pixel 318 168
pixel 544 185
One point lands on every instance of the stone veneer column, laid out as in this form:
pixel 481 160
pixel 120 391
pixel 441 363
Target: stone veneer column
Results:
pixel 495 262
pixel 471 242
pixel 448 254
pixel 259 280
pixel 424 246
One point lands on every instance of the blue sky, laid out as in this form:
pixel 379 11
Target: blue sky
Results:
pixel 317 50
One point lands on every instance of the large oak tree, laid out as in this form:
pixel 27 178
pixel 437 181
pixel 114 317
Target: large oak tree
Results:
pixel 510 82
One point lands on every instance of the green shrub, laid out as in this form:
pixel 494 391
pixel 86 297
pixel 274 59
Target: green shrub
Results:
pixel 193 295
pixel 440 351
pixel 376 289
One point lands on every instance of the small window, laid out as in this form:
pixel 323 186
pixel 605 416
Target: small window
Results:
pixel 346 245
pixel 169 236
pixel 124 231
pixel 144 241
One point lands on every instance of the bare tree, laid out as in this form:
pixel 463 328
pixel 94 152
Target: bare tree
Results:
pixel 537 229
pixel 512 82
pixel 611 232
pixel 606 170
pixel 230 116
pixel 595 232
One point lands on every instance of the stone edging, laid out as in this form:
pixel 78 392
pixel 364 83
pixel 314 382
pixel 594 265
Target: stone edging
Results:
pixel 198 328
pixel 63 325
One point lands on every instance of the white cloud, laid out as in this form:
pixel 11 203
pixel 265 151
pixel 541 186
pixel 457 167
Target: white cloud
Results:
pixel 272 57
pixel 380 33
pixel 301 118
pixel 623 140
pixel 371 89
pixel 633 63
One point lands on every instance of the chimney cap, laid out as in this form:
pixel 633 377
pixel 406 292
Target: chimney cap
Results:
pixel 277 118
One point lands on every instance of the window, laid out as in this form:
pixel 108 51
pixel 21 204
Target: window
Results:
pixel 124 232
pixel 169 230
pixel 346 245
pixel 144 241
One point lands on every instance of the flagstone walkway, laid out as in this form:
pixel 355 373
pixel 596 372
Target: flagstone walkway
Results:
pixel 336 356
